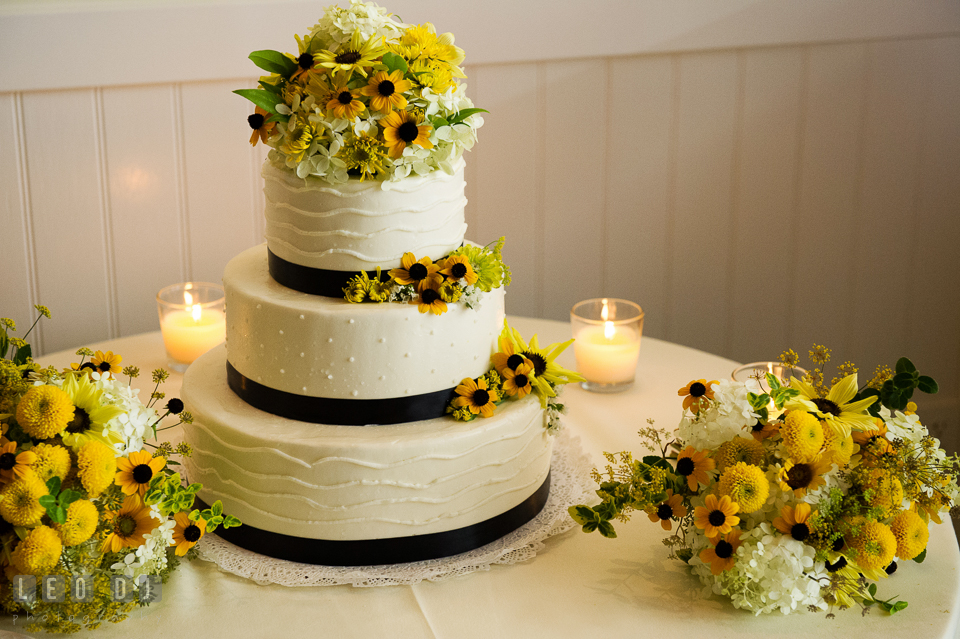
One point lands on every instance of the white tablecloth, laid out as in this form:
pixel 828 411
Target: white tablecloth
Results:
pixel 579 586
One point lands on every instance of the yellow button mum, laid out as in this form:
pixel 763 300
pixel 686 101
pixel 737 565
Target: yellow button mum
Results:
pixel 96 467
pixel 39 553
pixel 82 520
pixel 746 485
pixel 802 435
pixel 52 461
pixel 911 533
pixel 739 449
pixel 875 545
pixel 19 504
pixel 44 411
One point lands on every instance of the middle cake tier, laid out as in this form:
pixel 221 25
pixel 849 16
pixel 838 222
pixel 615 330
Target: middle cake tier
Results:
pixel 315 346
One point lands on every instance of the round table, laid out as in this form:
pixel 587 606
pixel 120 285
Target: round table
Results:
pixel 578 586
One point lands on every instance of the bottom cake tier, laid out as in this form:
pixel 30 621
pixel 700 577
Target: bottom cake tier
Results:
pixel 362 495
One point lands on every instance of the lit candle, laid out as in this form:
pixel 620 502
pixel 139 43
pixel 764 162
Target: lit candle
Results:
pixel 192 328
pixel 607 354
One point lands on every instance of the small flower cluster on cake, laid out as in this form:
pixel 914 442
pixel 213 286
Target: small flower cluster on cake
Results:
pixel 364 96
pixel 789 496
pixel 462 276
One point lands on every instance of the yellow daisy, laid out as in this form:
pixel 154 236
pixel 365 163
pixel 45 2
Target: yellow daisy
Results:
pixel 722 555
pixel 717 516
pixel 363 155
pixel 356 55
pixel 135 471
pixel 90 415
pixel 793 521
pixel 803 476
pixel 518 382
pixel 670 508
pixel 475 396
pixel 44 411
pixel 187 533
pixel 129 525
pixel 545 367
pixel 694 466
pixel 458 267
pixel 13 465
pixel 420 273
pixel 385 91
pixel 107 362
pixel 400 130
pixel 836 409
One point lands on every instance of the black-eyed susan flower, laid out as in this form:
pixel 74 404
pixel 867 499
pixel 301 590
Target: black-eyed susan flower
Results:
pixel 762 430
pixel 912 534
pixel 262 129
pixel 306 62
pixel 670 508
pixel 128 526
pixel 722 553
pixel 13 464
pixel 518 382
pixel 135 471
pixel 187 533
pixel 385 91
pixel 38 553
pixel 802 435
pixel 420 273
pixel 400 130
pixel 474 395
pixel 90 415
pixel 803 476
pixel 430 301
pixel 746 484
pixel 457 267
pixel 738 449
pixel 51 461
pixel 696 393
pixel 694 466
pixel 545 367
pixel 794 521
pixel 717 516
pixel 875 544
pixel 44 411
pixel 108 362
pixel 363 155
pixel 81 522
pixel 96 467
pixel 344 103
pixel 356 55
pixel 836 409
pixel 20 505
pixel 873 441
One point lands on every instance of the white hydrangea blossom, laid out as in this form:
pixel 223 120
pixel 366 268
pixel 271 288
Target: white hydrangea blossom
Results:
pixel 725 418
pixel 554 410
pixel 337 25
pixel 133 425
pixel 906 427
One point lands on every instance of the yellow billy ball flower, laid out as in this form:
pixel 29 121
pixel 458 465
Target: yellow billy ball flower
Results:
pixel 875 545
pixel 840 449
pixel 746 485
pixel 82 520
pixel 20 503
pixel 802 435
pixel 96 467
pixel 52 461
pixel 39 553
pixel 44 411
pixel 911 533
pixel 739 449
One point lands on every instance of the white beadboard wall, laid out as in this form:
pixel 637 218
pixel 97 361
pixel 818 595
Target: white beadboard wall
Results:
pixel 751 196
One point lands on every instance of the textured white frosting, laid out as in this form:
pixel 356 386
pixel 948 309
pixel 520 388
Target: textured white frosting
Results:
pixel 326 347
pixel 358 482
pixel 361 225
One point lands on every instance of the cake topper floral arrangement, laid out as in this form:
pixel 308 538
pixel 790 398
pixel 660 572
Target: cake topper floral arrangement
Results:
pixel 85 500
pixel 789 497
pixel 366 96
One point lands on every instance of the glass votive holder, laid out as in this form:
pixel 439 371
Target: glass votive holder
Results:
pixel 760 370
pixel 607 345
pixel 192 321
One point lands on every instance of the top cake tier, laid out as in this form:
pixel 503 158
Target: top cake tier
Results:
pixel 362 225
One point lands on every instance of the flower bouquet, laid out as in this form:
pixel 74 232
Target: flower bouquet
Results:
pixel 365 96
pixel 789 496
pixel 91 521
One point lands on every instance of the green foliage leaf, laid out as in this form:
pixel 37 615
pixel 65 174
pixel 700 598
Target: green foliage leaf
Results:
pixel 47 501
pixel 590 526
pixel 582 514
pixel 904 365
pixel 684 555
pixel 53 485
pixel 274 62
pixel 897 607
pixel 773 382
pixel 606 529
pixel 464 114
pixel 59 515
pixel 758 401
pixel 872 589
pixel 69 496
pixel 919 558
pixel 22 355
pixel 276 89
pixel 904 380
pixel 394 62
pixel 231 522
pixel 4 342
pixel 217 508
pixel 928 385
pixel 263 99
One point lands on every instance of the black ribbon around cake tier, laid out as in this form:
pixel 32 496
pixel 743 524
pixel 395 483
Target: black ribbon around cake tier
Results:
pixel 314 281
pixel 340 412
pixel 394 550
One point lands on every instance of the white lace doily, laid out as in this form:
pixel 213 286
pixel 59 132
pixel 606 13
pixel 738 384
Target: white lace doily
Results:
pixel 570 484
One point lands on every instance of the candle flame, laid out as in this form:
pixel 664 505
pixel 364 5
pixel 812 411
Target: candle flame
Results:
pixel 604 312
pixel 770 367
pixel 187 298
pixel 608 330
pixel 195 311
